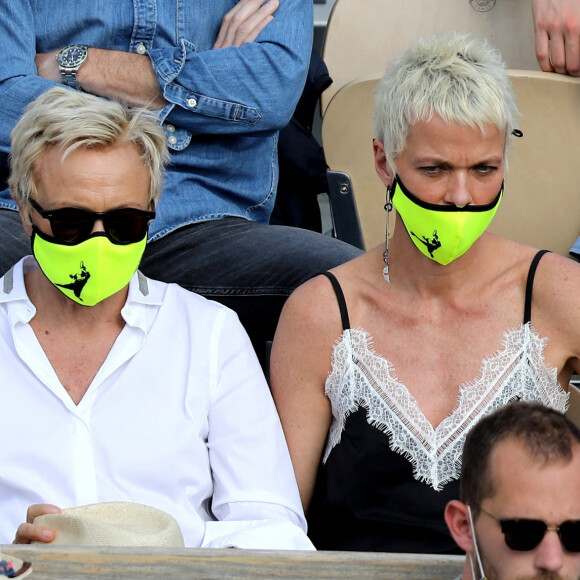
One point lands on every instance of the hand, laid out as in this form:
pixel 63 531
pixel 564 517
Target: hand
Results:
pixel 28 532
pixel 47 66
pixel 245 21
pixel 557 26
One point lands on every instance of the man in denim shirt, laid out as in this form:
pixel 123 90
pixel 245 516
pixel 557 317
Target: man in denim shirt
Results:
pixel 221 100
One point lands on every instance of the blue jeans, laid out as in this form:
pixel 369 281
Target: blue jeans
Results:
pixel 14 243
pixel 250 267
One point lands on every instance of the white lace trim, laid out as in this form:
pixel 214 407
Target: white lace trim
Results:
pixel 362 378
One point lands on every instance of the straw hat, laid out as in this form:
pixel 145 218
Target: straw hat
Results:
pixel 114 523
pixel 11 567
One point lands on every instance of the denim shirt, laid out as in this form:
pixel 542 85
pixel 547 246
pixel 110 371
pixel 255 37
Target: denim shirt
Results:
pixel 226 106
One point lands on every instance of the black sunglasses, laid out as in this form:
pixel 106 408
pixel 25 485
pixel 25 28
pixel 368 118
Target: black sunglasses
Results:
pixel 523 535
pixel 72 225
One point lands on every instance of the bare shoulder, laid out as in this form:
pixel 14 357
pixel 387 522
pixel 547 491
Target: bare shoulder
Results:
pixel 312 295
pixel 315 302
pixel 311 313
pixel 309 327
pixel 550 272
pixel 556 312
pixel 556 304
pixel 557 280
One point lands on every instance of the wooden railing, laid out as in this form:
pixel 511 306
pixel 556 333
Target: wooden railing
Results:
pixel 58 562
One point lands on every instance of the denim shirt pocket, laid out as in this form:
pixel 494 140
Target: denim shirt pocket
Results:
pixel 177 139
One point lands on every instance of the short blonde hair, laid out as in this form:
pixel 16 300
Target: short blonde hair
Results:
pixel 461 79
pixel 71 119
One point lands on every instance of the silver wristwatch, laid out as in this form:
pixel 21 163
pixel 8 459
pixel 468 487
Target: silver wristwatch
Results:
pixel 70 59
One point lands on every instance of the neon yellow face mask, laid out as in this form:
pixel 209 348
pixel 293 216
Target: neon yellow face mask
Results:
pixel 90 271
pixel 442 232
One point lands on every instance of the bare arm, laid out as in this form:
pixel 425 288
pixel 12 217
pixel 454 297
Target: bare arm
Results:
pixel 28 532
pixel 112 74
pixel 557 27
pixel 130 77
pixel 556 313
pixel 300 363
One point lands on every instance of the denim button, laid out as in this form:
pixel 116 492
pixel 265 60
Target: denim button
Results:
pixel 170 128
pixel 172 140
pixel 191 103
pixel 141 49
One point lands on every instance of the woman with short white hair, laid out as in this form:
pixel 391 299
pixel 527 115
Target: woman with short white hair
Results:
pixel 380 367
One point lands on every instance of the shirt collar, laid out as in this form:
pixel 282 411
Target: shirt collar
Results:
pixel 143 300
pixel 13 294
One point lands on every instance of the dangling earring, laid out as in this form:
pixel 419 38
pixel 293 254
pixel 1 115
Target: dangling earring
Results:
pixel 388 208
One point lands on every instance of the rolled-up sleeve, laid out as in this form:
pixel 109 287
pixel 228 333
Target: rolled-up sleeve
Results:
pixel 254 87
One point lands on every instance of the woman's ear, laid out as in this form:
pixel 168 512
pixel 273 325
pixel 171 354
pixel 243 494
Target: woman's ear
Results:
pixel 457 520
pixel 383 170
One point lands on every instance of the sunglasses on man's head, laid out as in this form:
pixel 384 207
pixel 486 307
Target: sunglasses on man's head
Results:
pixel 73 225
pixel 524 535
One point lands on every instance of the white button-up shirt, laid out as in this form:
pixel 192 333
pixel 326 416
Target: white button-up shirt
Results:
pixel 178 417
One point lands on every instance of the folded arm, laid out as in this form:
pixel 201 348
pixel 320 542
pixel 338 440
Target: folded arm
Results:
pixel 130 77
pixel 239 89
pixel 250 81
pixel 112 74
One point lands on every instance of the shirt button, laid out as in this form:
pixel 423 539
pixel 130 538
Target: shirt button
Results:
pixel 141 48
pixel 170 128
pixel 191 103
pixel 172 140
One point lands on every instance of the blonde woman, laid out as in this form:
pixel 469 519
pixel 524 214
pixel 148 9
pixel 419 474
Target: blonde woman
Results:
pixel 380 368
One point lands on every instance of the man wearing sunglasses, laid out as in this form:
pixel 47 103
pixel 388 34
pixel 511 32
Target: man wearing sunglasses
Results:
pixel 113 386
pixel 519 518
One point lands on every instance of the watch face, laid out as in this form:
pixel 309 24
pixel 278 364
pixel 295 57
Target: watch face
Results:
pixel 72 56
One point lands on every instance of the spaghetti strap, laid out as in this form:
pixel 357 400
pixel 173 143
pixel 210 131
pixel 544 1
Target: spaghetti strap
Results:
pixel 530 285
pixel 340 299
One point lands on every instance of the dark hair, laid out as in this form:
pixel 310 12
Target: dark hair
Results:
pixel 545 433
